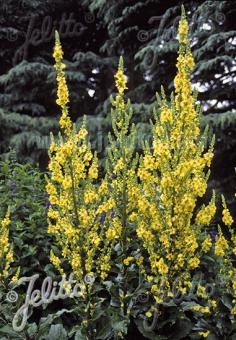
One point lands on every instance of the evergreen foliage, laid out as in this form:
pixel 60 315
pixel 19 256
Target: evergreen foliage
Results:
pixel 144 32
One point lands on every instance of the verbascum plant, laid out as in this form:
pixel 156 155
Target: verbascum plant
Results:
pixel 174 174
pixel 225 249
pixel 6 250
pixel 76 208
pixel 123 190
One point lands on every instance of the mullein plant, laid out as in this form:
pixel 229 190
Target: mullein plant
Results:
pixel 215 314
pixel 6 254
pixel 94 224
pixel 6 250
pixel 225 250
pixel 123 189
pixel 77 208
pixel 173 174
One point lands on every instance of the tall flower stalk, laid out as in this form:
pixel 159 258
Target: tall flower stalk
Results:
pixel 174 174
pixel 74 216
pixel 6 250
pixel 122 183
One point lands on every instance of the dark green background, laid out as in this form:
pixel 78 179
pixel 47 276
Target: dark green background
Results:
pixel 144 32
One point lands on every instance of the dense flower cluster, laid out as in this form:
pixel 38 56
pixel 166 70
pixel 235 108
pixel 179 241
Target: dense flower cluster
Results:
pixel 173 176
pixel 62 90
pixel 76 204
pixel 6 251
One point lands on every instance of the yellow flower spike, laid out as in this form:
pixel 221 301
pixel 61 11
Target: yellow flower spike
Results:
pixel 121 82
pixel 62 90
pixel 93 170
pixel 221 244
pixel 183 28
pixel 6 250
pixel 173 177
pixel 206 244
pixel 226 216
pixel 121 185
pixel 77 202
pixel 206 214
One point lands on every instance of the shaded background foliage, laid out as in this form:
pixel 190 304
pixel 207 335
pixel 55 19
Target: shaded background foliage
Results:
pixel 94 34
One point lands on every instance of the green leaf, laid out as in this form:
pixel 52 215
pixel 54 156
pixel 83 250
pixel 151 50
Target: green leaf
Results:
pixel 32 330
pixel 226 301
pixel 79 336
pixel 148 334
pixel 8 330
pixel 57 332
pixel 182 329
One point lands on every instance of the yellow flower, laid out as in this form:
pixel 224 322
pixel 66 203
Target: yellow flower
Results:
pixel 213 303
pixel 93 172
pixel 90 196
pixel 204 334
pixel 194 262
pixel 111 233
pixel 15 278
pixel 133 217
pixel 82 133
pixel 103 188
pixel 119 165
pixel 58 53
pixel 227 218
pixel 149 162
pixel 161 266
pixel 121 80
pixel 148 314
pixel 206 214
pixel 75 219
pixel 173 176
pixel 166 115
pixel 183 31
pixel 208 158
pixel 6 250
pixel 6 221
pixel 207 243
pixel 140 260
pixel 203 310
pixel 221 245
pixel 67 183
pixel 128 260
pixel 62 90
